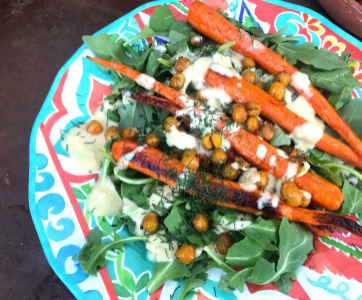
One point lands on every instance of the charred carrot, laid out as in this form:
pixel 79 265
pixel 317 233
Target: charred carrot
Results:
pixel 319 229
pixel 155 164
pixel 144 80
pixel 210 23
pixel 324 193
pixel 242 91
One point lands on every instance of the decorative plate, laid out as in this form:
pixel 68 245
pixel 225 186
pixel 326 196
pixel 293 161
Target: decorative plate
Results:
pixel 58 189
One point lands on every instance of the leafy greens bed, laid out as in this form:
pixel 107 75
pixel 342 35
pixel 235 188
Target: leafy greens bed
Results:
pixel 265 250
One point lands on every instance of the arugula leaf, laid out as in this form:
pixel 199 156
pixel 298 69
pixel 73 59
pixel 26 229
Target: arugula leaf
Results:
pixel 147 32
pixel 181 27
pixel 166 271
pixel 320 166
pixel 333 81
pixel 234 280
pixel 162 19
pixel 113 115
pixel 309 54
pixel 132 177
pixel 197 278
pixel 280 138
pixel 351 113
pixel 265 232
pixel 341 99
pixel 178 41
pixel 284 284
pixel 246 253
pixel 92 255
pixel 176 221
pixel 136 193
pixel 352 203
pixel 295 244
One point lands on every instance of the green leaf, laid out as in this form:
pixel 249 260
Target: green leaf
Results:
pixel 105 226
pixel 265 232
pixel 113 37
pixel 176 223
pixel 351 113
pixel 263 272
pixel 190 294
pixel 121 291
pixel 147 32
pixel 352 203
pixel 280 138
pixel 166 271
pixel 92 255
pixel 246 253
pixel 284 284
pixel 333 81
pixel 177 40
pixel 162 19
pixel 136 194
pixel 234 280
pixel 142 282
pixel 86 188
pixel 339 100
pixel 197 278
pixel 127 280
pixel 320 167
pixel 309 54
pixel 181 27
pixel 78 194
pixel 113 115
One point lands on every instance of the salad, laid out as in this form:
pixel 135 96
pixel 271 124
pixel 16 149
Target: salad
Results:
pixel 226 148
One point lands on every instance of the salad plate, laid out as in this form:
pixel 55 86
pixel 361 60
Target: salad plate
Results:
pixel 58 188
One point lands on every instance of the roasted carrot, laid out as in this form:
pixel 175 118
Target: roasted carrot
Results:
pixel 324 193
pixel 155 164
pixel 319 230
pixel 278 112
pixel 210 23
pixel 144 80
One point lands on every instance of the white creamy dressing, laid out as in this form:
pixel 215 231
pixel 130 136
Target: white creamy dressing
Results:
pixel 224 70
pixel 288 95
pixel 216 98
pixel 272 161
pixel 136 214
pixel 242 221
pixel 145 81
pixel 249 179
pixel 162 199
pixel 306 194
pixel 304 169
pixel 282 154
pixel 261 151
pixel 265 78
pixel 300 82
pixel 127 157
pixel 103 199
pixel 268 200
pixel 183 140
pixel 82 146
pixel 160 249
pixel 225 144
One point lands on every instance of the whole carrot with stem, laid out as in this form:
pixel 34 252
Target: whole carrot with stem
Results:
pixel 242 91
pixel 156 164
pixel 210 23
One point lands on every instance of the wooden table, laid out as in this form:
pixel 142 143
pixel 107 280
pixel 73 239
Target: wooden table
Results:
pixel 36 38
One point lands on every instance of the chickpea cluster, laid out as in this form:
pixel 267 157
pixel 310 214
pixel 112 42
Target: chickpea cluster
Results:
pixel 277 88
pixel 248 114
pixel 249 76
pixel 293 195
pixel 129 133
pixel 178 80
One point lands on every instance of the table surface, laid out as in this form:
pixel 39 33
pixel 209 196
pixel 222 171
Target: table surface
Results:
pixel 37 38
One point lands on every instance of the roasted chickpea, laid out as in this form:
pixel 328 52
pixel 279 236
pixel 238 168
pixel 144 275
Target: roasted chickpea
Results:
pixel 239 113
pixel 169 122
pixel 150 222
pixel 201 222
pixel 206 141
pixel 178 81
pixel 249 76
pixel 152 140
pixel 283 77
pixel 216 140
pixel 111 132
pixel 264 179
pixel 196 41
pixel 260 85
pixel 277 90
pixel 291 193
pixel 218 157
pixel 243 164
pixel 252 124
pixel 248 62
pixel 181 64
pixel 185 254
pixel 224 242
pixel 204 160
pixel 94 127
pixel 230 173
pixel 130 133
pixel 266 130
pixel 305 202
pixel 253 109
pixel 190 159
